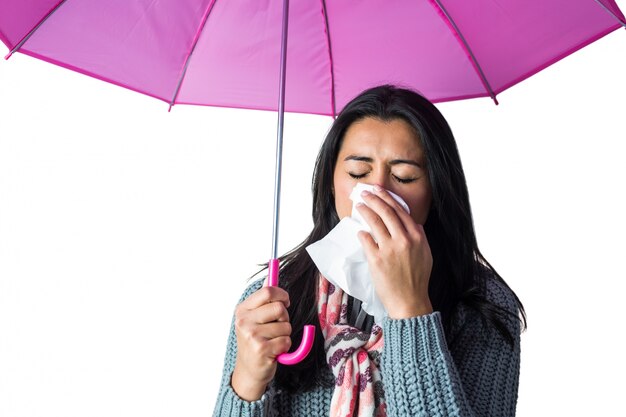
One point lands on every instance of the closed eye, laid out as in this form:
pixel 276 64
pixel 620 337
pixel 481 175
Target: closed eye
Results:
pixel 357 176
pixel 404 180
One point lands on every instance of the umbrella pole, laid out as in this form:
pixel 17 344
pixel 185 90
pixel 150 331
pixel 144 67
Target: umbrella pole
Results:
pixel 281 122
pixel 273 266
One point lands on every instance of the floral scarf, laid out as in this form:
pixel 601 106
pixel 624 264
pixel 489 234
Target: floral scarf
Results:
pixel 353 356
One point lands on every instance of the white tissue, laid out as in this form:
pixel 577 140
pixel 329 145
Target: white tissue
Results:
pixel 339 256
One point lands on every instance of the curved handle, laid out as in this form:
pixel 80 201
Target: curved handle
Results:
pixel 299 354
pixel 308 334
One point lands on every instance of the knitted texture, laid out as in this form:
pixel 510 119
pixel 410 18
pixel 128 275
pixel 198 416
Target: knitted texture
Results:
pixel 353 356
pixel 476 375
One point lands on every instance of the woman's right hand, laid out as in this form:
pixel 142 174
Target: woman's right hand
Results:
pixel 263 332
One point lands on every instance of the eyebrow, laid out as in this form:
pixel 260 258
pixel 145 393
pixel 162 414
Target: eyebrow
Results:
pixel 393 162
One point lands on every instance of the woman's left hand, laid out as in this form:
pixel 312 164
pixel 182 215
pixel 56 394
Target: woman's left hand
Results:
pixel 398 255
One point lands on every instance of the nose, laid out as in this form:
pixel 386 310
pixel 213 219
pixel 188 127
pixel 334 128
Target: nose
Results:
pixel 380 178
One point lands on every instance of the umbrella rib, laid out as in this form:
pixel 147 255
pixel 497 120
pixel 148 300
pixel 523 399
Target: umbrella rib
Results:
pixel 34 29
pixel 330 57
pixel 467 48
pixel 193 48
pixel 609 11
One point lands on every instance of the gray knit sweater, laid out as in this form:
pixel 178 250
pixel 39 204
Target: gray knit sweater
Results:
pixel 421 374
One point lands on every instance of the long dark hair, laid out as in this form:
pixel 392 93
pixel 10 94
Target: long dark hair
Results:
pixel 458 273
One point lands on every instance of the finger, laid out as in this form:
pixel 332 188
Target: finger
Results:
pixel 388 198
pixel 407 222
pixel 276 329
pixel 266 295
pixel 270 331
pixel 270 312
pixel 270 348
pixel 369 245
pixel 378 229
pixel 278 346
pixel 388 210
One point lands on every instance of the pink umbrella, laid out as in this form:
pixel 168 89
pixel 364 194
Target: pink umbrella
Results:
pixel 227 53
pixel 233 53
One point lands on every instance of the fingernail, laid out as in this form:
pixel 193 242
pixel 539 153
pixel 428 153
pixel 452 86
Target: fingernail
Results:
pixel 378 188
pixel 365 193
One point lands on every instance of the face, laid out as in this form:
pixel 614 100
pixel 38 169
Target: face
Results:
pixel 387 154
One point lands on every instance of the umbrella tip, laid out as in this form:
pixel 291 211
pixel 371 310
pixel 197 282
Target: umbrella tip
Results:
pixel 170 108
pixel 495 100
pixel 8 55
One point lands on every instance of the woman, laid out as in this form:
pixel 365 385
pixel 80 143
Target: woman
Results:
pixel 450 343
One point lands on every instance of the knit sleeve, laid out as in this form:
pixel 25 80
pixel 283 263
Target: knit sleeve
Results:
pixel 228 403
pixel 478 378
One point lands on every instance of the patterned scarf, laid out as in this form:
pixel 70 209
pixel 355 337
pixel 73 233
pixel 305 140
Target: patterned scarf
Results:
pixel 353 355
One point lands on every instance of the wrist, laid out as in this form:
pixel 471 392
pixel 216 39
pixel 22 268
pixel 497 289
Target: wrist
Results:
pixel 410 310
pixel 245 387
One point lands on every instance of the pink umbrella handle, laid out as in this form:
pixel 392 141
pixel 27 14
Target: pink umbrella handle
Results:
pixel 308 334
pixel 299 354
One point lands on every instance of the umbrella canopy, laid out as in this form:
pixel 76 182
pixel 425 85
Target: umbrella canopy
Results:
pixel 226 53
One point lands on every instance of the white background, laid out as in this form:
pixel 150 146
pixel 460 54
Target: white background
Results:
pixel 127 234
